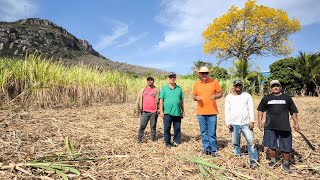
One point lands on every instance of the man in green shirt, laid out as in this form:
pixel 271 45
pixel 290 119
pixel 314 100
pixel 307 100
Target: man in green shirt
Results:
pixel 171 110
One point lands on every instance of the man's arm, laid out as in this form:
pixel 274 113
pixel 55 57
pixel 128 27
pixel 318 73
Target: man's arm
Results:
pixel 218 95
pixel 157 100
pixel 194 93
pixel 262 107
pixel 250 109
pixel 294 114
pixel 195 97
pixel 161 108
pixel 251 112
pixel 294 117
pixel 227 112
pixel 137 109
pixel 182 109
pixel 260 116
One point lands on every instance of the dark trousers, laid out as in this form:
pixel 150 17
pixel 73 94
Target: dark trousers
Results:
pixel 144 119
pixel 176 121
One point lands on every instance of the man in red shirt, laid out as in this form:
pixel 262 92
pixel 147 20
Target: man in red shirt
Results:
pixel 147 101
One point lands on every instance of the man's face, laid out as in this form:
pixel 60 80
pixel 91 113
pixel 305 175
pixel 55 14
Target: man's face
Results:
pixel 150 82
pixel 237 87
pixel 276 88
pixel 172 79
pixel 204 76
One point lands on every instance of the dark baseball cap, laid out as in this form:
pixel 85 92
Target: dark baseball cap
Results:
pixel 172 74
pixel 237 82
pixel 150 78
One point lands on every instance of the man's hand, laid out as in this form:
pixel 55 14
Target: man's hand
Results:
pixel 198 98
pixel 251 125
pixel 296 127
pixel 161 114
pixel 261 125
pixel 183 115
pixel 136 113
pixel 230 128
pixel 213 97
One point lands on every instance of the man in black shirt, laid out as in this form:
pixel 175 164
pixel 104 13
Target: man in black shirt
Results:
pixel 277 130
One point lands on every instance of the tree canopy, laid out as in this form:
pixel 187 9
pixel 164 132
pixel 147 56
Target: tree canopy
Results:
pixel 252 30
pixel 308 66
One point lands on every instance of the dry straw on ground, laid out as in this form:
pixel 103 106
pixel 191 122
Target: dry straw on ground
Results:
pixel 108 134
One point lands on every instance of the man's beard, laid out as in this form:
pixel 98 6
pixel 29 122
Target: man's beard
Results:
pixel 238 90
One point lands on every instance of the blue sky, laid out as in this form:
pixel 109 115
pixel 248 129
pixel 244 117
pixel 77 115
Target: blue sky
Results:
pixel 163 34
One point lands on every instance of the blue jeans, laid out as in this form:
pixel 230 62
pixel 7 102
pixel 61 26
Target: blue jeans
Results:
pixel 208 125
pixel 248 135
pixel 176 121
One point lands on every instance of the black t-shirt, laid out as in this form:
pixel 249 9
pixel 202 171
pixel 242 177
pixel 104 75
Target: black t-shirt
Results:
pixel 278 108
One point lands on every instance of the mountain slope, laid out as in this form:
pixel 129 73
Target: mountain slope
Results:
pixel 34 34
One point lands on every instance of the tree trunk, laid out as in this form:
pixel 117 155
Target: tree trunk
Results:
pixel 304 91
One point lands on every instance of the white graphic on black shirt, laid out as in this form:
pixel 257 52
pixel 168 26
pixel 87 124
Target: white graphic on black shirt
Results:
pixel 277 102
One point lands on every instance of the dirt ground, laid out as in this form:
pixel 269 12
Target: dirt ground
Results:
pixel 109 132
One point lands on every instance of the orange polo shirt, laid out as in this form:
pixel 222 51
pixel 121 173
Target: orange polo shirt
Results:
pixel 206 106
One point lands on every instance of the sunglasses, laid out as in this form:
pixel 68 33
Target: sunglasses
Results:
pixel 237 85
pixel 172 77
pixel 204 73
pixel 275 85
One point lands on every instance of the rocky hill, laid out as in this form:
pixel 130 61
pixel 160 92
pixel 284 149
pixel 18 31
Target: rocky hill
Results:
pixel 34 34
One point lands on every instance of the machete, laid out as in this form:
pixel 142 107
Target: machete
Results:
pixel 307 141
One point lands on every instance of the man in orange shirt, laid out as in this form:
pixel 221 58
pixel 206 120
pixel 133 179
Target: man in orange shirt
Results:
pixel 205 92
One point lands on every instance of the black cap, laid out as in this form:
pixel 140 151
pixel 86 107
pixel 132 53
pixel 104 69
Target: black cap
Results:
pixel 172 74
pixel 150 78
pixel 237 82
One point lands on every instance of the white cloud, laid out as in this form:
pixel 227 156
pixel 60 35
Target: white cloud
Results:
pixel 132 39
pixel 119 30
pixel 12 10
pixel 306 11
pixel 187 19
pixel 119 36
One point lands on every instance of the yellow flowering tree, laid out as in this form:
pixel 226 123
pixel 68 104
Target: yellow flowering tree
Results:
pixel 252 30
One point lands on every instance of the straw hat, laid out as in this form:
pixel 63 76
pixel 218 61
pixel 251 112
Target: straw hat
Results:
pixel 203 69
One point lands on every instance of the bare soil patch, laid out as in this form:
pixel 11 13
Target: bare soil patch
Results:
pixel 109 132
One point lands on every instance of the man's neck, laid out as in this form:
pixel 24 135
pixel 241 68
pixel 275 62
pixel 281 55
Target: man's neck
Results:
pixel 172 85
pixel 277 94
pixel 204 81
pixel 235 93
pixel 152 86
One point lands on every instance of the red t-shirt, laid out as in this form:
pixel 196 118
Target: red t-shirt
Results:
pixel 149 100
